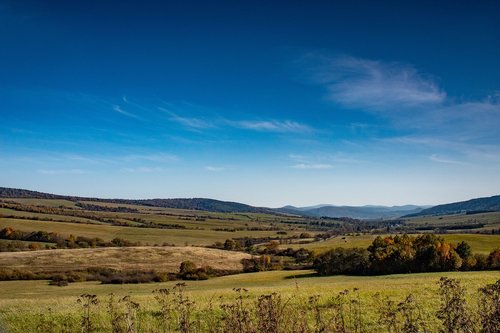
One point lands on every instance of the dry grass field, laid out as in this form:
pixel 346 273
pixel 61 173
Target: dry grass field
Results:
pixel 162 259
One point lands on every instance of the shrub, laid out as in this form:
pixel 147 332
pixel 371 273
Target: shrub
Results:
pixel 453 311
pixel 494 259
pixel 489 308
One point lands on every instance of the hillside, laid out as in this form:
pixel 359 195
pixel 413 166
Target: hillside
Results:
pixel 487 204
pixel 162 259
pixel 189 203
pixel 363 212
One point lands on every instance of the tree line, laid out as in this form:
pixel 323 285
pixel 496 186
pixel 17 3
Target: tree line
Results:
pixel 55 240
pixel 405 254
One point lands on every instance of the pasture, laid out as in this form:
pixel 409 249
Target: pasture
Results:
pixel 23 302
pixel 480 243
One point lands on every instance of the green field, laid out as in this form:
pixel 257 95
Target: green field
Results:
pixel 21 302
pixel 182 227
pixel 144 235
pixel 44 202
pixel 24 303
pixel 490 220
pixel 479 243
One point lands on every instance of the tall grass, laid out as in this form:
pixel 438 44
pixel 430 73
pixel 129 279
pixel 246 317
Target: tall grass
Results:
pixel 173 310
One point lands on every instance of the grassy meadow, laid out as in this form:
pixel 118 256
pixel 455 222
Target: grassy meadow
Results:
pixel 480 243
pixel 173 226
pixel 36 306
pixel 146 236
pixel 23 303
pixel 491 220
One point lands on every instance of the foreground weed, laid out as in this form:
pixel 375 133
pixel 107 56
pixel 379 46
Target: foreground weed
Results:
pixel 164 299
pixel 454 312
pixel 88 303
pixel 413 320
pixel 489 308
pixel 404 317
pixel 184 308
pixel 237 317
pixel 130 315
pixel 271 313
pixel 46 322
pixel 115 315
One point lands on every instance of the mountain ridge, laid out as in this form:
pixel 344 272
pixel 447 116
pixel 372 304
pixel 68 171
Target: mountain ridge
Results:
pixel 358 212
pixel 323 210
pixel 178 203
pixel 483 204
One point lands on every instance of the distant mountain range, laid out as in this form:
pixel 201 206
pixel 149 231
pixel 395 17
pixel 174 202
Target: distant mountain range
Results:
pixel 357 212
pixel 362 212
pixel 191 203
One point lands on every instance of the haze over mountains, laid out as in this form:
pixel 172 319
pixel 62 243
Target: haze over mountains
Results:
pixel 358 212
pixel 324 210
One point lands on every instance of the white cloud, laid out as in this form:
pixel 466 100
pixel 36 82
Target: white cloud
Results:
pixel 307 166
pixel 375 85
pixel 260 125
pixel 62 171
pixel 214 168
pixel 271 126
pixel 142 169
pixel 159 157
pixel 297 157
pixel 192 123
pixel 439 159
pixel 118 109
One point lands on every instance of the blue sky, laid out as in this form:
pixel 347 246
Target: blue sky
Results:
pixel 263 102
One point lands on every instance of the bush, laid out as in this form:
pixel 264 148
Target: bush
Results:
pixel 494 259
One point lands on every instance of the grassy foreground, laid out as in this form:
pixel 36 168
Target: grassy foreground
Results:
pixel 24 303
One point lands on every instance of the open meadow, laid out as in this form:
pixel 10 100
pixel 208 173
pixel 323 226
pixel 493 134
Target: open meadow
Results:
pixel 480 243
pixel 144 224
pixel 112 242
pixel 24 304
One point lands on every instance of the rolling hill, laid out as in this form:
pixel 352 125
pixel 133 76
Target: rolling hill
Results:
pixel 189 203
pixel 486 204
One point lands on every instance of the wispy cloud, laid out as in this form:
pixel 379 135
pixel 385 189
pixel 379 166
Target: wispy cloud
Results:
pixel 142 169
pixel 119 109
pixel 317 166
pixel 158 157
pixel 215 168
pixel 261 125
pixel 374 85
pixel 411 102
pixel 303 162
pixel 62 171
pixel 271 126
pixel 440 159
pixel 189 122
